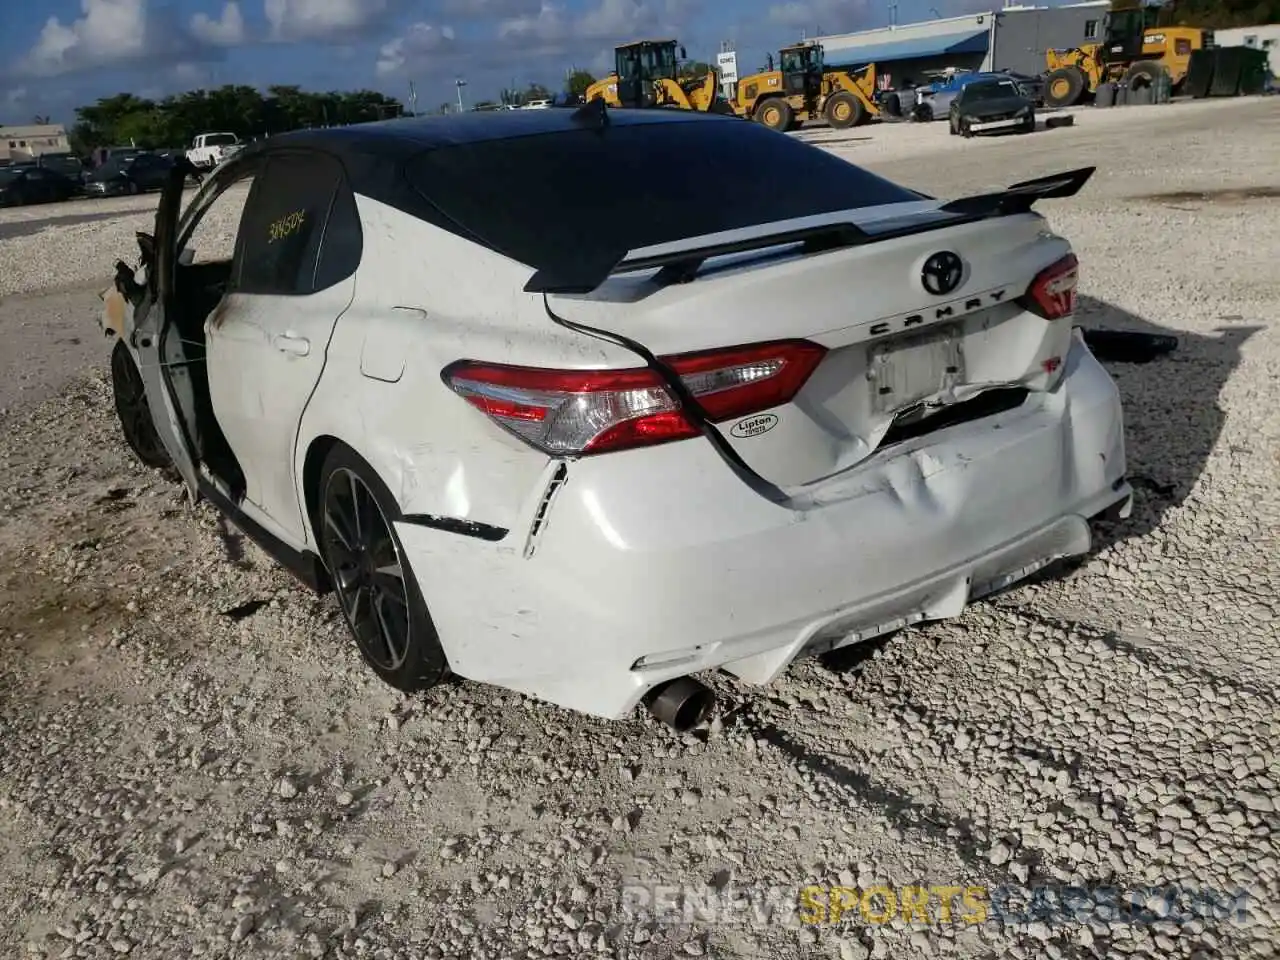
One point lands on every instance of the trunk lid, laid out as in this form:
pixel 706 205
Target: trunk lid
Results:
pixel 897 349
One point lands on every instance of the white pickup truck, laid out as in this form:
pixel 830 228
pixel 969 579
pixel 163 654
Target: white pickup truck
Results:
pixel 210 149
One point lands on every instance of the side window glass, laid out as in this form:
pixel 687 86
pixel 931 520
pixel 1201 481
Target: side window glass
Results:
pixel 285 223
pixel 343 240
pixel 213 240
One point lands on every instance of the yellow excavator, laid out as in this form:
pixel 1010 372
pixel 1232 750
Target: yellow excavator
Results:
pixel 1140 46
pixel 804 89
pixel 647 74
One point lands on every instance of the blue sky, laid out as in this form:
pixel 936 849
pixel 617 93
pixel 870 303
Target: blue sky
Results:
pixel 58 54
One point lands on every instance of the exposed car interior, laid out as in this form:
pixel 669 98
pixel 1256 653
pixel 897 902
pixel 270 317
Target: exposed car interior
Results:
pixel 198 290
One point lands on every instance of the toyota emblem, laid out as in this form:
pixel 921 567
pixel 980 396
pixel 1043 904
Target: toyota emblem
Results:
pixel 941 273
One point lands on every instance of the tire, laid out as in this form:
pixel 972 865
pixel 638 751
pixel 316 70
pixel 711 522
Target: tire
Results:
pixel 1030 125
pixel 132 189
pixel 133 412
pixel 385 613
pixel 1143 75
pixel 966 130
pixel 1063 87
pixel 923 113
pixel 843 110
pixel 951 125
pixel 775 113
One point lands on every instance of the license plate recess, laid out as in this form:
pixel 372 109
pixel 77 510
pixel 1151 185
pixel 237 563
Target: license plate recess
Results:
pixel 907 369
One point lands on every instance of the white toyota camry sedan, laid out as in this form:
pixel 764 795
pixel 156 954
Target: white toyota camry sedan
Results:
pixel 650 414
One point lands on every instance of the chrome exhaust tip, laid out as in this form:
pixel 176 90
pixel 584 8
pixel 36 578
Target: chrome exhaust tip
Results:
pixel 681 704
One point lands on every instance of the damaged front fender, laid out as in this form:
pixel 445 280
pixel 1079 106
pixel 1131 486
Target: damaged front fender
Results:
pixel 116 319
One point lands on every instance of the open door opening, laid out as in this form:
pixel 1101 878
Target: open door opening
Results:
pixel 169 339
pixel 197 293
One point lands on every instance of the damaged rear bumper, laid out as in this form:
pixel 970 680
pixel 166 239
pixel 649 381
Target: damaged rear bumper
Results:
pixel 652 564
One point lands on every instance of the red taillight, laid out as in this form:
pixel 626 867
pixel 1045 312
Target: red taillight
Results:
pixel 574 412
pixel 745 380
pixel 1053 292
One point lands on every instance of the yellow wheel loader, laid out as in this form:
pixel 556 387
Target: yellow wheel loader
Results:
pixel 1140 47
pixel 647 74
pixel 804 89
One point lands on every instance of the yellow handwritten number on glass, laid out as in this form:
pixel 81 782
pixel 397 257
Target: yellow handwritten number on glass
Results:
pixel 286 225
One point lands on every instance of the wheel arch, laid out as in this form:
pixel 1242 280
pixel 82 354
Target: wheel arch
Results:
pixel 312 462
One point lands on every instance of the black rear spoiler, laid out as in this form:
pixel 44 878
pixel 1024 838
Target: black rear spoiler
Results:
pixel 590 268
pixel 1020 197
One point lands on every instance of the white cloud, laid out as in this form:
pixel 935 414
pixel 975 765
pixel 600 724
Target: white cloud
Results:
pixel 192 74
pixel 119 33
pixel 457 10
pixel 323 19
pixel 556 24
pixel 827 16
pixel 417 49
pixel 110 31
pixel 226 31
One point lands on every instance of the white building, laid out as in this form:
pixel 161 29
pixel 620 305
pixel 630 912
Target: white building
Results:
pixel 1011 38
pixel 1265 37
pixel 32 140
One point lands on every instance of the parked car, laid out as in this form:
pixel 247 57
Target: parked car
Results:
pixel 1030 87
pixel 210 149
pixel 991 105
pixel 104 154
pixel 735 427
pixel 66 164
pixel 22 184
pixel 127 175
pixel 933 100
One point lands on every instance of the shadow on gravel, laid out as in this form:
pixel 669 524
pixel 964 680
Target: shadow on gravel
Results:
pixel 1172 414
pixel 24 228
pixel 901 810
pixel 835 139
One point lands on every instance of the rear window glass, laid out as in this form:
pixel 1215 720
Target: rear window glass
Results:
pixel 991 91
pixel 541 199
pixel 284 222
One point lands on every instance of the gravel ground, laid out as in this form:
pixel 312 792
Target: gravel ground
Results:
pixel 194 762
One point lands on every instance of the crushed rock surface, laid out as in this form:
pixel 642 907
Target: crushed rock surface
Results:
pixel 181 778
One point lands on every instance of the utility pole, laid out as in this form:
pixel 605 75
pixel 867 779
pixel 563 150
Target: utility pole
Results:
pixel 893 14
pixel 460 83
pixel 413 99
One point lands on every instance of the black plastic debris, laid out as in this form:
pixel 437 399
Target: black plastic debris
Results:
pixel 247 609
pixel 1154 486
pixel 1128 346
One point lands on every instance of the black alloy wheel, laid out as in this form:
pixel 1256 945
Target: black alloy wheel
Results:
pixel 133 411
pixel 380 599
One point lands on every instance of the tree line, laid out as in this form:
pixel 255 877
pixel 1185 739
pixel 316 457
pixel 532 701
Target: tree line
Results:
pixel 126 119
pixel 172 122
pixel 1222 14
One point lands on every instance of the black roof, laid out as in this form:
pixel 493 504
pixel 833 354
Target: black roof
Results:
pixel 410 135
pixel 373 154
pixel 575 223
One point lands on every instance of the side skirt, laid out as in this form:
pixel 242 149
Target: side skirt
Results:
pixel 303 564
